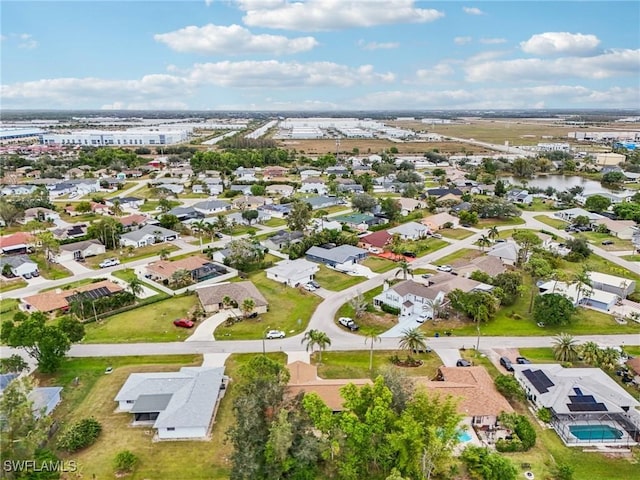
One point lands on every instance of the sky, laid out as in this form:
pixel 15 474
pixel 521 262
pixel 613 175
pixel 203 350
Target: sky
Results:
pixel 319 55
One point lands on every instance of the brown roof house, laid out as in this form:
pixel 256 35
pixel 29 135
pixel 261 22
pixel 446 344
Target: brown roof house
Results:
pixel 489 265
pixel 475 390
pixel 304 378
pixel 439 220
pixel 61 299
pixel 198 267
pixel 375 242
pixel 212 296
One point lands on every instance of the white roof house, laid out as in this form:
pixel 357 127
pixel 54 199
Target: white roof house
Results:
pixel 587 296
pixel 293 272
pixel 178 404
pixel 410 231
pixel 620 286
pixel 571 213
pixel 507 252
pixel 147 235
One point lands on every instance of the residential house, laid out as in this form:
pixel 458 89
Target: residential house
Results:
pixel 212 297
pixel 439 221
pixel 571 214
pixel 314 185
pixel 98 208
pixel 474 390
pixel 17 190
pixel 350 188
pixel 409 205
pixel 622 287
pixel 250 202
pixel 280 189
pixel 275 210
pixel 74 230
pixel 147 235
pixel 451 195
pixel 175 188
pixel 214 186
pixel 359 221
pixel 238 219
pixel 131 222
pixel 337 257
pixel 622 229
pixel 219 256
pixel 321 224
pixel 60 300
pixel 490 265
pixel 609 159
pixel 304 174
pixel 274 171
pixel 582 400
pixel 20 242
pixel 210 207
pixel 186 213
pixel 522 197
pixel 337 170
pixel 303 378
pixel 40 214
pixel 410 231
pixel 293 272
pixel 132 173
pixel 178 405
pixel 44 400
pixel 78 251
pixel 508 252
pixel 199 269
pixel 18 265
pixel 410 298
pixel 375 242
pixel 318 203
pixel 60 189
pixel 581 295
pixel 133 203
pixel 245 175
pixel 282 239
pixel 244 189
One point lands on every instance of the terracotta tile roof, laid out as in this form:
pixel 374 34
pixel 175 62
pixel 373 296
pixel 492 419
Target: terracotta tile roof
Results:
pixel 56 299
pixel 237 291
pixel 167 268
pixel 377 239
pixel 304 378
pixel 634 364
pixel 134 219
pixel 490 265
pixel 473 386
pixel 16 239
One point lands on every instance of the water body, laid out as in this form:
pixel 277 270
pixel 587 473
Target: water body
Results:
pixel 562 182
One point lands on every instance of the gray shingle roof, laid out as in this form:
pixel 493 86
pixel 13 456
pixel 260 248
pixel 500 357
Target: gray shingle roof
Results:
pixel 237 291
pixel 138 235
pixel 338 254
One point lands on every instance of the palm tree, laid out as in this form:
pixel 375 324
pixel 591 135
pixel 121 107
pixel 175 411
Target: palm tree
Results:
pixel 590 353
pixel 372 338
pixel 317 338
pixel 565 348
pixel 435 306
pixel 484 241
pixel 405 268
pixel 135 286
pixel 164 253
pixel 412 339
pixel 493 233
pixel 609 358
pixel 117 208
pixel 200 226
pixel 247 306
pixel 222 223
pixel 181 277
pixel 583 282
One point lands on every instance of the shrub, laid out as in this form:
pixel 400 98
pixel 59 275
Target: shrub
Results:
pixel 80 435
pixel 125 462
pixel 563 472
pixel 513 445
pixel 388 309
pixel 544 414
pixel 508 386
pixel 525 432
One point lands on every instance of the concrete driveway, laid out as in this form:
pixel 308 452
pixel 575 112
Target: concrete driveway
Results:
pixel 204 331
pixel 404 323
pixel 449 356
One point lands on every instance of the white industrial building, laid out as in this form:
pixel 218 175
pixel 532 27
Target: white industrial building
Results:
pixel 95 138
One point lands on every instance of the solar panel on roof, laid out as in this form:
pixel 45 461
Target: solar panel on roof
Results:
pixel 90 294
pixel 539 380
pixel 578 391
pixel 587 407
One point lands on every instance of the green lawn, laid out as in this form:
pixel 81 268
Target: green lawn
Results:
pixel 275 222
pixel 128 274
pixel 8 285
pixel 355 364
pixel 289 310
pixel 597 239
pixel 150 323
pixel 243 230
pixel 8 306
pixel 124 256
pixel 596 263
pixel 464 253
pixel 490 222
pixel 552 221
pixel 423 247
pixel 118 192
pixel 539 205
pixel 373 321
pixel 455 233
pixel 334 280
pixel 50 271
pixel 538 355
pixel 379 265
pixel 631 258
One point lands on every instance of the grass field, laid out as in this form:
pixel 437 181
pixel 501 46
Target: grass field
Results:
pixel 379 265
pixel 336 281
pixel 136 254
pixel 14 284
pixel 372 322
pixel 275 222
pixel 455 233
pixel 596 239
pixel 150 323
pixel 289 310
pixel 552 222
pixel 631 258
pixel 8 306
pixel 499 222
pixel 50 271
pixel 499 131
pixel 464 253
pixel 355 364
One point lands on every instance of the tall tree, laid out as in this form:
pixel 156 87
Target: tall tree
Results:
pixel 49 244
pixel 391 207
pixel 539 269
pixel 412 340
pixel 247 306
pixel 527 240
pixel 135 286
pixel 364 202
pixel 299 216
pixel 565 347
pixel 405 269
pixel 484 241
pixel 372 338
pixel 316 338
pixel 9 213
pixel 553 309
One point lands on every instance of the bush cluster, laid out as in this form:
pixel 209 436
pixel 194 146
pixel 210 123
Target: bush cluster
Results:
pixel 80 435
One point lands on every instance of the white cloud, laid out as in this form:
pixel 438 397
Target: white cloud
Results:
pixel 322 15
pixel 462 40
pixel 285 75
pixel 435 74
pixel 377 45
pixel 472 11
pixel 232 40
pixel 493 41
pixel 554 43
pixel 609 64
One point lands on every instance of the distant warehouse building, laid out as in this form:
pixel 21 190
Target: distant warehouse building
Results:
pixel 11 135
pixel 95 138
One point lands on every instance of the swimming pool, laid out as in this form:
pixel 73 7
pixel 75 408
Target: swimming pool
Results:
pixel 464 436
pixel 595 432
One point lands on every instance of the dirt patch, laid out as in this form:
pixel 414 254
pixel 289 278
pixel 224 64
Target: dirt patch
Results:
pixel 382 320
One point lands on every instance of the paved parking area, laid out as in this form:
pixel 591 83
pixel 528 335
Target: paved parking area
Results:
pixel 449 356
pixel 404 323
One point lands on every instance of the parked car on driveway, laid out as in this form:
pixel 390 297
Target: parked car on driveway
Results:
pixel 463 363
pixel 110 262
pixel 183 322
pixel 607 242
pixel 348 323
pixel 506 363
pixel 522 360
pixel 313 283
pixel 309 288
pixel 445 268
pixel 271 334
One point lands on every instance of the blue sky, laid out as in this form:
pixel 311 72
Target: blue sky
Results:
pixel 319 54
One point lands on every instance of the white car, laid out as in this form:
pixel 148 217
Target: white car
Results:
pixel 110 262
pixel 271 334
pixel 310 288
pixel 423 316
pixel 445 268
